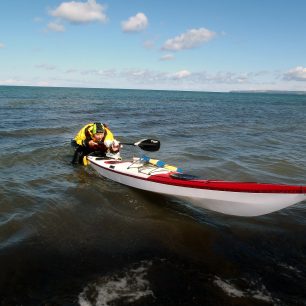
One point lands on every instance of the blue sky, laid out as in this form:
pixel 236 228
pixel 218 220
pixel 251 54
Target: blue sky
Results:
pixel 202 45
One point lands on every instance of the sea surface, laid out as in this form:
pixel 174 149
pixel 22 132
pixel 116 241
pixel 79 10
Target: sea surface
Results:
pixel 70 237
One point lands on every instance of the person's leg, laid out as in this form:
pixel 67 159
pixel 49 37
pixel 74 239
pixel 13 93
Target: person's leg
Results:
pixel 79 153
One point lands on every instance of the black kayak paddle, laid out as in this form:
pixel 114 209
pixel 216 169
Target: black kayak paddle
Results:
pixel 150 145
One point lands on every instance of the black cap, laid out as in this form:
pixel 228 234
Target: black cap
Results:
pixel 98 128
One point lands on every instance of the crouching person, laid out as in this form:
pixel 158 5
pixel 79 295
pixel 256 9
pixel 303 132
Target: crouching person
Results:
pixel 94 137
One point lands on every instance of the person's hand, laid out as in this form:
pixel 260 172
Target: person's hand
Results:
pixel 115 146
pixel 92 144
pixel 108 143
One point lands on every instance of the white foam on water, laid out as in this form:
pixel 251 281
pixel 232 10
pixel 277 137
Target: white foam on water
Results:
pixel 228 288
pixel 127 286
pixel 290 268
pixel 255 290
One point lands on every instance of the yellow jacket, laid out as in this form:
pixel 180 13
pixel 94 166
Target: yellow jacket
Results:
pixel 85 135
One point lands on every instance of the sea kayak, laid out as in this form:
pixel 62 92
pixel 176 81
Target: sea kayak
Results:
pixel 227 197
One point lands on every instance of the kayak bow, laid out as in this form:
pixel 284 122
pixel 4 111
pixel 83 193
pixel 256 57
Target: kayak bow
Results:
pixel 233 198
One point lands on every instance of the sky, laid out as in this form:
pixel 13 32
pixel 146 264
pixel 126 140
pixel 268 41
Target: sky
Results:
pixel 217 45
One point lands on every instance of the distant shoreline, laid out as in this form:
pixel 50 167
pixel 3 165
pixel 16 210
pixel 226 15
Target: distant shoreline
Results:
pixel 270 91
pixel 177 90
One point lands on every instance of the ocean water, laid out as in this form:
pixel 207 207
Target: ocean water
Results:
pixel 69 237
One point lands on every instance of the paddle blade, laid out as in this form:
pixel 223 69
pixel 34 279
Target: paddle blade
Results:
pixel 150 145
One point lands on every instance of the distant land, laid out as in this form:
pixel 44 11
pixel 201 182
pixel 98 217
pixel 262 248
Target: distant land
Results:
pixel 282 92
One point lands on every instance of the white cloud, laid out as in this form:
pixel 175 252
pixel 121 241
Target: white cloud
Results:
pixel 72 70
pixel 156 79
pixel 80 12
pixel 181 74
pixel 153 77
pixel 2 45
pixel 167 57
pixel 200 78
pixel 46 67
pixel 225 78
pixel 12 82
pixel 188 40
pixel 296 74
pixel 136 23
pixel 143 76
pixel 55 27
pixel 106 73
pixel 44 84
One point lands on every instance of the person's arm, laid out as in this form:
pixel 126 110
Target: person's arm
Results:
pixel 83 138
pixel 110 142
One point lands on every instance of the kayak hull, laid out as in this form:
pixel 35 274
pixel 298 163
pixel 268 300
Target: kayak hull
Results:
pixel 239 199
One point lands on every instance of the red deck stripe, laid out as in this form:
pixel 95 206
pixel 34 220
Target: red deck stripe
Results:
pixel 249 187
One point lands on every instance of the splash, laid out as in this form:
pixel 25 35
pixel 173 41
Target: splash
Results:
pixel 127 287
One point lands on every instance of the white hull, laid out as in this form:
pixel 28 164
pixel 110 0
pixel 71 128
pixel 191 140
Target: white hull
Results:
pixel 227 202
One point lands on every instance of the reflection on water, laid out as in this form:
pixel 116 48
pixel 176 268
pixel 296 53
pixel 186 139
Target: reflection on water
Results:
pixel 69 237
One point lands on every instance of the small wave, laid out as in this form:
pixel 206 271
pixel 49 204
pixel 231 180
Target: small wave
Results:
pixel 290 269
pixel 128 286
pixel 13 231
pixel 25 132
pixel 29 156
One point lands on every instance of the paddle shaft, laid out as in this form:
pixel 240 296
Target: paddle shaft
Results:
pixel 145 144
pixel 127 143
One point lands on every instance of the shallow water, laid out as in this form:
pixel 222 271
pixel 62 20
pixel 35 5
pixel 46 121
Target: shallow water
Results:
pixel 69 237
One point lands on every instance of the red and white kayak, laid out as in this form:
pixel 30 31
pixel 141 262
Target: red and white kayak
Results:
pixel 233 198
